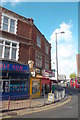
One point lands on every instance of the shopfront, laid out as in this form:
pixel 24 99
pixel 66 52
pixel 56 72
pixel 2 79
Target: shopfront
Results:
pixel 14 79
pixel 45 85
pixel 35 87
pixel 46 81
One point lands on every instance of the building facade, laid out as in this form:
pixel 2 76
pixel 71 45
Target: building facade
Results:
pixel 20 42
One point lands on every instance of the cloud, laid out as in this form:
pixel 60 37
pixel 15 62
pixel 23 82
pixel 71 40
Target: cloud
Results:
pixel 66 49
pixel 15 2
pixel 12 2
pixel 65 37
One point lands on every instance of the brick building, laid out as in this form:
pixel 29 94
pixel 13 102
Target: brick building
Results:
pixel 21 40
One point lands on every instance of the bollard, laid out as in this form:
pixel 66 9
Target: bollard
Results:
pixel 57 95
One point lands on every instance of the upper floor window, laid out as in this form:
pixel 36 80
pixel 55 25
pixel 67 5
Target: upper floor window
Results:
pixel 38 59
pixel 46 49
pixel 9 49
pixel 9 24
pixel 46 63
pixel 38 41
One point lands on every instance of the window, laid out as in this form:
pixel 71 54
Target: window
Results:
pixel 5 23
pixel 7 52
pixel 18 86
pixel 38 41
pixel 1 86
pixel 9 49
pixel 35 86
pixel 46 49
pixel 14 50
pixel 9 24
pixel 1 49
pixel 13 53
pixel 38 59
pixel 6 86
pixel 46 63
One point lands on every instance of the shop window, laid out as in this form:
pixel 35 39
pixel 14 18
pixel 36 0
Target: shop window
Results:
pixel 18 86
pixel 35 86
pixel 6 86
pixel 18 76
pixel 47 88
pixel 43 89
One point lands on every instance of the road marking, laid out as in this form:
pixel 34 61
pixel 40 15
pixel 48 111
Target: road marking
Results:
pixel 47 108
pixel 35 110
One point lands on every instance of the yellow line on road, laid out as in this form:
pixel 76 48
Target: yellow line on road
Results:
pixel 47 107
pixel 35 110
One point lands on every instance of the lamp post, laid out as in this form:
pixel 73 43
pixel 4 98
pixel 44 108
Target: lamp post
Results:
pixel 57 52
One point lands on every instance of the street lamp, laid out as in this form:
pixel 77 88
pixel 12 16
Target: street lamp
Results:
pixel 57 52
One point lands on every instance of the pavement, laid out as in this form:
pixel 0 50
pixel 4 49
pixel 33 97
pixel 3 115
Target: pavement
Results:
pixel 36 107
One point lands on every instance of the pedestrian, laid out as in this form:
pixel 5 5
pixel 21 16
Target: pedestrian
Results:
pixel 53 88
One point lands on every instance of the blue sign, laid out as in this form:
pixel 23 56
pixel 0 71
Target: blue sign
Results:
pixel 13 66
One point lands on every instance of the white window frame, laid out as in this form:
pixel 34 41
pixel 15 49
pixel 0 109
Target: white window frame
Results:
pixel 10 17
pixel 17 48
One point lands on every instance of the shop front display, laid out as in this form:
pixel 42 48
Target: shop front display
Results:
pixel 35 86
pixel 45 86
pixel 14 79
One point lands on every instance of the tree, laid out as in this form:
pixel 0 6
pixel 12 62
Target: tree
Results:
pixel 73 75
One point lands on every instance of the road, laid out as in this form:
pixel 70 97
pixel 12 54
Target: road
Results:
pixel 69 110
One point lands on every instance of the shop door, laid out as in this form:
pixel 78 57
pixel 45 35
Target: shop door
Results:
pixel 43 89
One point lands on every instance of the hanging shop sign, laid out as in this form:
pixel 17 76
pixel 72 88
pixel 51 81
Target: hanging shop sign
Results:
pixel 48 73
pixel 31 67
pixel 4 65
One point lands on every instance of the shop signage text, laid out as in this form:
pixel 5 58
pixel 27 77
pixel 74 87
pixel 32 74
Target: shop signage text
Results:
pixel 48 73
pixel 13 66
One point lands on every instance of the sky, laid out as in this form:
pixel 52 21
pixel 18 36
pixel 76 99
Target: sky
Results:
pixel 52 17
